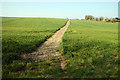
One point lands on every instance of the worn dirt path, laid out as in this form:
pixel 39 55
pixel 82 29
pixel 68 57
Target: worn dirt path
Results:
pixel 49 49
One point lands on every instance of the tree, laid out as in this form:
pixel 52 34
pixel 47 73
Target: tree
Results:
pixel 107 20
pixel 86 18
pixel 89 17
pixel 97 19
pixel 117 18
pixel 113 20
pixel 101 18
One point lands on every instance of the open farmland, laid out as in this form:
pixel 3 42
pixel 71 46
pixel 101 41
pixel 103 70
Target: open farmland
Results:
pixel 91 49
pixel 22 35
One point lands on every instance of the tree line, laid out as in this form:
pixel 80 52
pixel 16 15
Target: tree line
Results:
pixel 90 17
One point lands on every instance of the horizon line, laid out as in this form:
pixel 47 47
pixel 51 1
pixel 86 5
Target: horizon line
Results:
pixel 54 17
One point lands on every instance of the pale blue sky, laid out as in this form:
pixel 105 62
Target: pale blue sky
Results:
pixel 59 0
pixel 61 9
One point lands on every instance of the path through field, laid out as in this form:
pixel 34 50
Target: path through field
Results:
pixel 49 49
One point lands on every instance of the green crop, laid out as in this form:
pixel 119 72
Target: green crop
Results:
pixel 91 49
pixel 24 35
pixel 21 35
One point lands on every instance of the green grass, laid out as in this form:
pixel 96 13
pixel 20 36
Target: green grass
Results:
pixel 24 35
pixel 91 49
pixel 27 69
pixel 9 19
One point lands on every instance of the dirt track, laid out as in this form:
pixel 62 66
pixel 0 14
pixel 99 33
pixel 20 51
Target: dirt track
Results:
pixel 49 48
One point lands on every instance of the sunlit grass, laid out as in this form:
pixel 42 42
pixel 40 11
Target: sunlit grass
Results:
pixel 91 49
pixel 24 35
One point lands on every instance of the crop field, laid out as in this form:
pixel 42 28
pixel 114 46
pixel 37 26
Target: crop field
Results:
pixel 23 35
pixel 91 49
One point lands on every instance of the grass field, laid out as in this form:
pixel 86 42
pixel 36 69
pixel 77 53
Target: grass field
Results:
pixel 24 35
pixel 91 49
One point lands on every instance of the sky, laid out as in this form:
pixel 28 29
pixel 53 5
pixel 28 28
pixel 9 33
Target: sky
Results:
pixel 59 0
pixel 62 9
